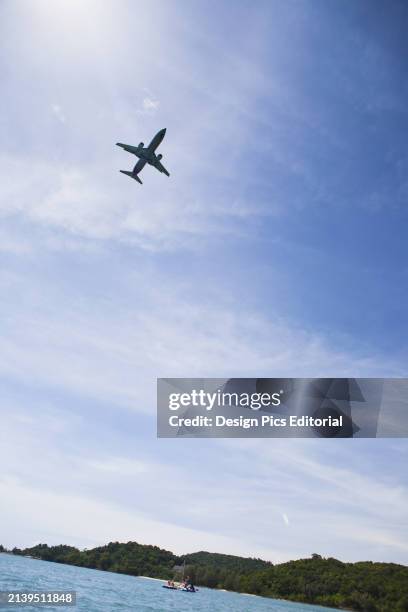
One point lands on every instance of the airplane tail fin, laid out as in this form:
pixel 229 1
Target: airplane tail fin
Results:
pixel 134 176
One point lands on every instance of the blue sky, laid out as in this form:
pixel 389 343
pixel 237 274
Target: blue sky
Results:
pixel 276 248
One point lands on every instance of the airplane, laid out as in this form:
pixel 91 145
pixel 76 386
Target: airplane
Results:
pixel 146 155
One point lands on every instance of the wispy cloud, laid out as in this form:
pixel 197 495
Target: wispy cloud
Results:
pixel 58 113
pixel 150 104
pixel 94 203
pixel 97 346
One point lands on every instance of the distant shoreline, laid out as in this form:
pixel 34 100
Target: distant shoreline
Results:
pixel 318 581
pixel 93 569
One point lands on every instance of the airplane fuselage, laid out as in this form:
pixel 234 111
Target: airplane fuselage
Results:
pixel 148 156
pixel 140 152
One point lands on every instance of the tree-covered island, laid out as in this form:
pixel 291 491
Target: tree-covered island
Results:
pixel 363 587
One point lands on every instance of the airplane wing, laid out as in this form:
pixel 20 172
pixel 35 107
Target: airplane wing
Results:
pixel 156 141
pixel 161 168
pixel 139 166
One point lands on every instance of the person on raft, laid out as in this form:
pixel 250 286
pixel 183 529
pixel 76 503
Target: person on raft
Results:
pixel 188 584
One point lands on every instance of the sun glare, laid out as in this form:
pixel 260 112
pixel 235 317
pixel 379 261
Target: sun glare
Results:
pixel 83 30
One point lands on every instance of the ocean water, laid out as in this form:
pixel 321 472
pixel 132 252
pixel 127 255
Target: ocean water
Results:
pixel 99 591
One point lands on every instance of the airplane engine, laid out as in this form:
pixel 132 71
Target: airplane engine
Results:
pixel 159 156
